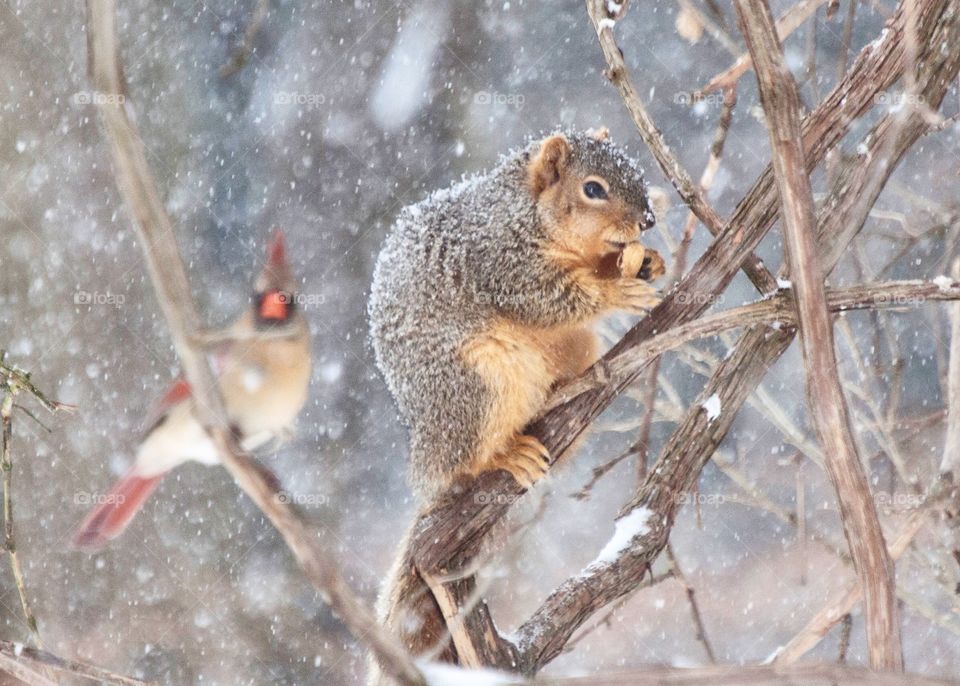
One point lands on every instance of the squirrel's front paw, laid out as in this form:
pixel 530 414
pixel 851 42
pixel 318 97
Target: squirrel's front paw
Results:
pixel 636 295
pixel 525 458
pixel 637 262
pixel 652 267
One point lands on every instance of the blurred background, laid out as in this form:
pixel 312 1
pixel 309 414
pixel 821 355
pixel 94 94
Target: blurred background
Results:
pixel 340 114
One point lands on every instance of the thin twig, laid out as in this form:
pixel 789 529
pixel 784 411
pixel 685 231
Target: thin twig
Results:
pixel 12 382
pixel 242 53
pixel 950 465
pixel 6 465
pixel 786 24
pixel 846 627
pixel 16 380
pixel 701 630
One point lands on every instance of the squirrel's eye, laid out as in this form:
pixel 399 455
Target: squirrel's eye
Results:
pixel 594 191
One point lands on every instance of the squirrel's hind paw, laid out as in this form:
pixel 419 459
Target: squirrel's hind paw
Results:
pixel 636 295
pixel 526 459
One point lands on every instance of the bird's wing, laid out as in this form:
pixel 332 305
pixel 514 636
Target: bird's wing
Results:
pixel 178 392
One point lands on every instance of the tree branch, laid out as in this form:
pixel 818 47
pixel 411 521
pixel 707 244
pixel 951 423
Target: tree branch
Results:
pixel 779 309
pixel 816 674
pixel 825 399
pixel 950 465
pixel 172 288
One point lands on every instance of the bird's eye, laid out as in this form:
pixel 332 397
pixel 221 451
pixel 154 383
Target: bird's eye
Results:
pixel 594 191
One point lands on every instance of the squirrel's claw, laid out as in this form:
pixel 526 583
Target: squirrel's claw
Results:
pixel 526 459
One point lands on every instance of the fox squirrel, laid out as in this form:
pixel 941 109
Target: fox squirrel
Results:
pixel 484 293
pixel 482 301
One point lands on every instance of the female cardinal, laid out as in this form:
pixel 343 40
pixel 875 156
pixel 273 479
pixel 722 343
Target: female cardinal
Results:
pixel 262 364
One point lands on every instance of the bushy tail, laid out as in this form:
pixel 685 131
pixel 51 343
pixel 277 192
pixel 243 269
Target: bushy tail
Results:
pixel 408 610
pixel 109 518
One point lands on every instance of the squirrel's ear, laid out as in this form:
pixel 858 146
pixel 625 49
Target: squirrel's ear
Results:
pixel 548 165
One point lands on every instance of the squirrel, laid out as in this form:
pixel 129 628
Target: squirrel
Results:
pixel 484 293
pixel 482 301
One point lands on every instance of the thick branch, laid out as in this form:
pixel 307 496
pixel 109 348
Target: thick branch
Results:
pixel 170 283
pixel 825 399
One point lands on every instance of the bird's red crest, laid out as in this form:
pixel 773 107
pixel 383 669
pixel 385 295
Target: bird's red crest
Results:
pixel 277 250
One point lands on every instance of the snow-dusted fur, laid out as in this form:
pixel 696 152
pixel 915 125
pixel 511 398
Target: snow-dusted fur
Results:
pixel 455 267
pixel 452 264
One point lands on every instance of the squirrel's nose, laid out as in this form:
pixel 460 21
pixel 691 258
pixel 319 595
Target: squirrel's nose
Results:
pixel 645 222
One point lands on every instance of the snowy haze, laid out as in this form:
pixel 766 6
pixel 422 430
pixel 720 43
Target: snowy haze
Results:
pixel 344 113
